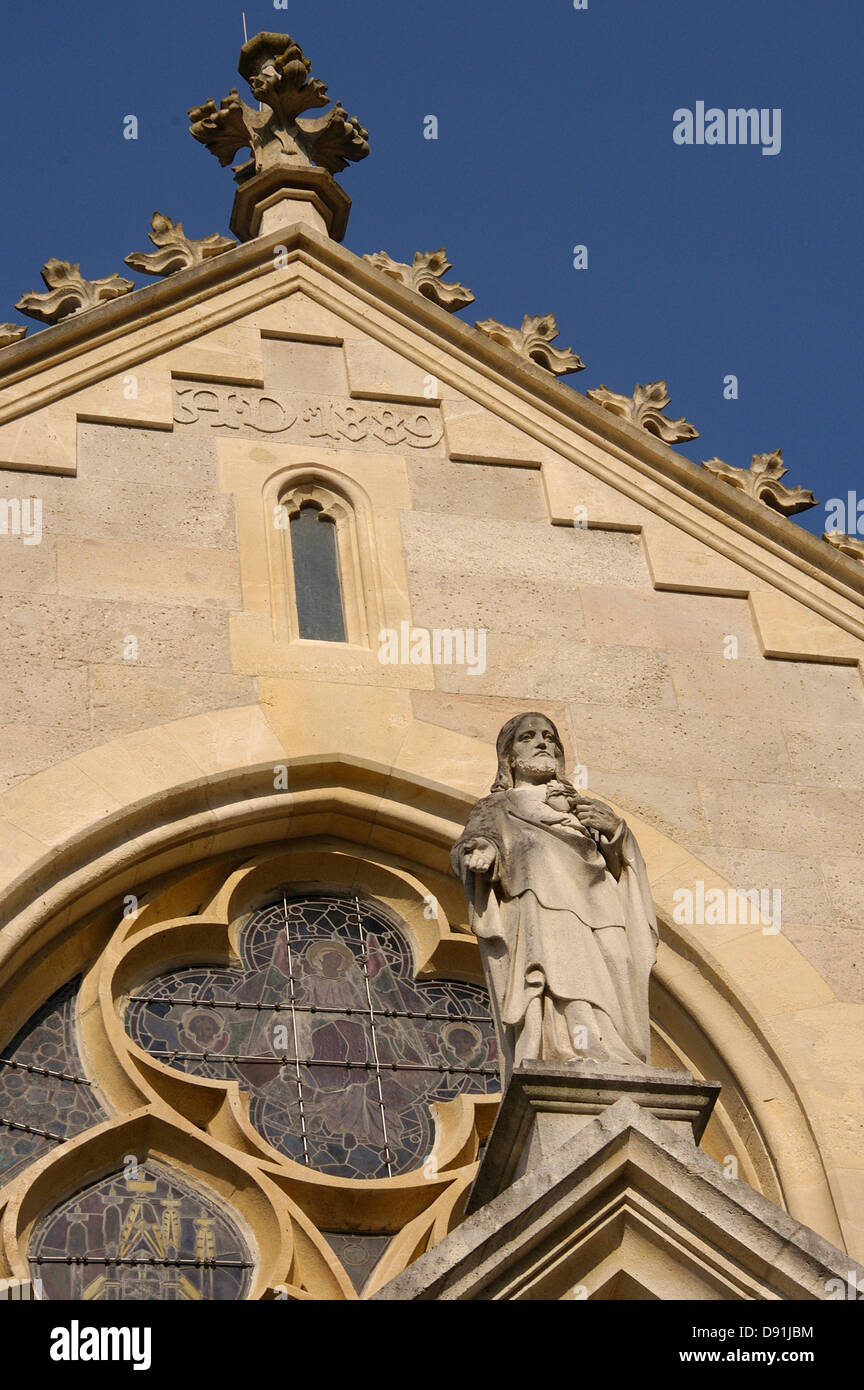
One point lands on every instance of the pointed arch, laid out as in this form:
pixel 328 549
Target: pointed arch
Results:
pixel 339 500
pixel 167 825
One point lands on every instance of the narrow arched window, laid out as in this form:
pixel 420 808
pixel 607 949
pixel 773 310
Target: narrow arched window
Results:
pixel 317 586
pixel 324 572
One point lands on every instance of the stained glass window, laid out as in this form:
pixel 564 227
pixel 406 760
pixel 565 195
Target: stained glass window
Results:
pixel 45 1096
pixel 148 1234
pixel 358 1254
pixel 341 1051
pixel 316 576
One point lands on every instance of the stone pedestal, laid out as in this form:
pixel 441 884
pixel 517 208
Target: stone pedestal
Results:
pixel 547 1103
pixel 279 197
pixel 626 1208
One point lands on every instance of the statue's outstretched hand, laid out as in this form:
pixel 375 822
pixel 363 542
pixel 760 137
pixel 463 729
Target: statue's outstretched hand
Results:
pixel 596 815
pixel 480 855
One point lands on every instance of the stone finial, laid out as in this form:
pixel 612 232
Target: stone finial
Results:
pixel 424 276
pixel 288 152
pixel 175 251
pixel 761 481
pixel 644 408
pixel 533 342
pixel 11 333
pixel 69 293
pixel 847 545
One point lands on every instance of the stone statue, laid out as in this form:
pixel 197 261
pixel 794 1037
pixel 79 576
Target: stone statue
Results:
pixel 560 902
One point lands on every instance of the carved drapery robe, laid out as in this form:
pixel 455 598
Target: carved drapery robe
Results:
pixel 563 920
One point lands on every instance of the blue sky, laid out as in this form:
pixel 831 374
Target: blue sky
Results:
pixel 555 129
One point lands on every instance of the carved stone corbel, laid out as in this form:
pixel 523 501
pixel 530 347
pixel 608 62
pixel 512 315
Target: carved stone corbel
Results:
pixel 424 276
pixel 533 343
pixel 175 250
pixel 761 481
pixel 644 408
pixel 69 293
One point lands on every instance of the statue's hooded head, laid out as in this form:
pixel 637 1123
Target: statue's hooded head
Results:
pixel 504 748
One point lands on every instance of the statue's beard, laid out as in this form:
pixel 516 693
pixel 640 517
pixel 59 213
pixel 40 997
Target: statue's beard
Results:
pixel 539 767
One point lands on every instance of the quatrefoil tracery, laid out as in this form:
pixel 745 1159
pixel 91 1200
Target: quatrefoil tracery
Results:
pixel 341 1052
pixel 203 1127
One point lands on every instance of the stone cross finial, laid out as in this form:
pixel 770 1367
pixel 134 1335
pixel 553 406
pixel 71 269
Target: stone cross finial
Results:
pixel 761 481
pixel 644 408
pixel 289 153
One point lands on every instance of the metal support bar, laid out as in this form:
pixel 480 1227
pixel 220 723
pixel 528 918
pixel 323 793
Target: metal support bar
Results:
pixel 305 1008
pixel 292 1002
pixel 333 1062
pixel 364 938
pixel 44 1071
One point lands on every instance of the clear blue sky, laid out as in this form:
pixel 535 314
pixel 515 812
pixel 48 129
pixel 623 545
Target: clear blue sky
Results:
pixel 555 129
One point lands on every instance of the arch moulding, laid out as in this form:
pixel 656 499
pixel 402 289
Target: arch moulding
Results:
pixel 148 809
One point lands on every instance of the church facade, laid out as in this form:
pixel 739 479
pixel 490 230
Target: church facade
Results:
pixel 286 544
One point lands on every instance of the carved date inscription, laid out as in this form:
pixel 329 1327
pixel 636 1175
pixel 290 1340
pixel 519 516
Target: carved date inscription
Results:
pixel 326 418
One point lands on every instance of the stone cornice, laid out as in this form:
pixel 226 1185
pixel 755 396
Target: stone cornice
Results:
pixel 80 342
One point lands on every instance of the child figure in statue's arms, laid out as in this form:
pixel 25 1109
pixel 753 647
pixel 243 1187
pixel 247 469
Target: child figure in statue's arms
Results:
pixel 596 816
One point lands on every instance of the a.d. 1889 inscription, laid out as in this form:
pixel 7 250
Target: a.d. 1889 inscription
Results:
pixel 326 418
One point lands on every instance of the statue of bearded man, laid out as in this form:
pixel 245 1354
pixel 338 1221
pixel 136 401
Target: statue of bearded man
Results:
pixel 560 902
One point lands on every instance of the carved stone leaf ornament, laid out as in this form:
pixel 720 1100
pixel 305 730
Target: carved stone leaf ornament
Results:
pixel 645 409
pixel 278 74
pixel 424 276
pixel 533 343
pixel 761 481
pixel 11 333
pixel 69 293
pixel 847 545
pixel 175 250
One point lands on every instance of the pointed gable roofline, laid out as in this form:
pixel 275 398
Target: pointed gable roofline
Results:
pixel 116 337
